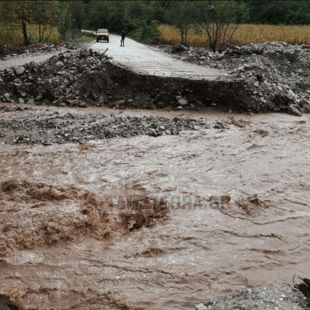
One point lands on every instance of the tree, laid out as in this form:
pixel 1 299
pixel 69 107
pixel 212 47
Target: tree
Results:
pixel 78 14
pixel 19 11
pixel 47 15
pixel 181 15
pixel 217 19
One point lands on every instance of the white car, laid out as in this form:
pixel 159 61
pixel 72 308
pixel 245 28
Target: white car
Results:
pixel 102 34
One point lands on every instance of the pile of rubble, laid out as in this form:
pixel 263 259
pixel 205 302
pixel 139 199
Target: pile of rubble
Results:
pixel 285 297
pixel 263 78
pixel 276 74
pixel 71 127
pixel 84 78
pixel 58 81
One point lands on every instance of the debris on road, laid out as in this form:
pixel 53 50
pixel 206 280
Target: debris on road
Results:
pixel 85 78
pixel 275 74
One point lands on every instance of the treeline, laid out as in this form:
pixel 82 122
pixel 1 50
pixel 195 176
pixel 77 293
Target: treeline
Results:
pixel 45 14
pixel 119 14
pixel 145 15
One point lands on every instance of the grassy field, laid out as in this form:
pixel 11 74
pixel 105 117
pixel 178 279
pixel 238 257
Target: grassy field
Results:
pixel 12 34
pixel 244 35
pixel 85 39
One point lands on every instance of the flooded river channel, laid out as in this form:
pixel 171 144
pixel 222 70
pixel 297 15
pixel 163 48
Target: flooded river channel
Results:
pixel 156 222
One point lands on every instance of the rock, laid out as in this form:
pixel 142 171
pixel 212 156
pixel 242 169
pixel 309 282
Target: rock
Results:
pixel 306 109
pixel 84 52
pixel 160 105
pixel 179 108
pixel 118 102
pixel 293 110
pixel 6 96
pixel 59 64
pixel 153 132
pixel 168 132
pixel 47 143
pixel 201 307
pixel 82 105
pixel 182 102
pixel 30 101
pixel 53 61
pixel 21 101
pixel 303 102
pixel 73 103
pixel 292 95
pixel 19 70
pixel 178 49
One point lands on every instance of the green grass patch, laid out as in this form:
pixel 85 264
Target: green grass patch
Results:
pixel 135 34
pixel 85 39
pixel 143 35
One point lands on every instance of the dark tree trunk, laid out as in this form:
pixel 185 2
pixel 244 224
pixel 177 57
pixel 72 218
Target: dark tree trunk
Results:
pixel 26 40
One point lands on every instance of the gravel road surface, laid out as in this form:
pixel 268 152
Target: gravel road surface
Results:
pixel 149 60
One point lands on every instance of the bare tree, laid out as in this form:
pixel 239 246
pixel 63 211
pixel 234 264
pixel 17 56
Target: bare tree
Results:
pixel 181 15
pixel 217 19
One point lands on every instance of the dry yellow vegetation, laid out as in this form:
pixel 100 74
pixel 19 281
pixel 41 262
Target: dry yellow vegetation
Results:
pixel 12 34
pixel 245 34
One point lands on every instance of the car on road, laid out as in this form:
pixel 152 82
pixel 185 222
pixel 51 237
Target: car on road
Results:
pixel 102 34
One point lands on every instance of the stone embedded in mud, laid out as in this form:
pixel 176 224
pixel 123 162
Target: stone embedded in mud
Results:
pixel 201 307
pixel 182 102
pixel 59 64
pixel 82 105
pixel 73 103
pixel 19 70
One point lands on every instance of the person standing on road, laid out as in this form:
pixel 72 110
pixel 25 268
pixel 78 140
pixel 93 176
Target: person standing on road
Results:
pixel 123 34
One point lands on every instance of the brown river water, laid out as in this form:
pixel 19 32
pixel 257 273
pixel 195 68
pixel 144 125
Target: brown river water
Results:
pixel 156 223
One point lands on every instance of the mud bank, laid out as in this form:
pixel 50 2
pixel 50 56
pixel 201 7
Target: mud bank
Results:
pixel 235 213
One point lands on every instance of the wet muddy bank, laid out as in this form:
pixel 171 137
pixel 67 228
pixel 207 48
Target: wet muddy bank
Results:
pixel 238 211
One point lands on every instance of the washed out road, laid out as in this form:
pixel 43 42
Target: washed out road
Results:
pixel 148 60
pixel 138 57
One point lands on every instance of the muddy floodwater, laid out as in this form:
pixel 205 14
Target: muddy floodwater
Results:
pixel 156 222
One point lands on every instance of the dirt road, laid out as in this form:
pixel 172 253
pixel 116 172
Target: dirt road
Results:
pixel 137 57
pixel 237 197
pixel 149 60
pixel 23 59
